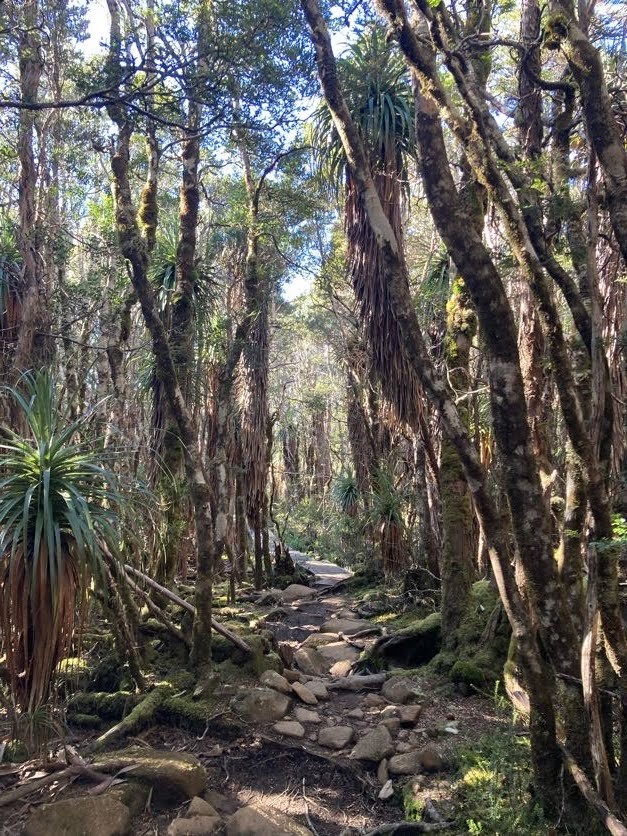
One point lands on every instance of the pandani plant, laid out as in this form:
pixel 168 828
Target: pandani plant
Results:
pixel 57 519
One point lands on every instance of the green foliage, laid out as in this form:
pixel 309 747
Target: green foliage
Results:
pixel 346 493
pixel 58 515
pixel 377 91
pixel 493 788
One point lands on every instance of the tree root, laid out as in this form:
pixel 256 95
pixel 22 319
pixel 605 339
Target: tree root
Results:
pixel 140 716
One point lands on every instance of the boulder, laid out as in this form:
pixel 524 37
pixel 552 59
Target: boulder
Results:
pixel 392 724
pixel 304 693
pixel 431 760
pixel 345 625
pixel 374 701
pixel 270 597
pixel 310 661
pixel 260 705
pixel 296 592
pixel 409 714
pixel 335 737
pixel 339 652
pixel 341 669
pixel 303 715
pixel 291 676
pixel 274 680
pixel 196 826
pixel 290 728
pixel 249 821
pixel 225 806
pixel 173 776
pixel 374 746
pixel 408 763
pixel 356 714
pixel 397 690
pixel 99 815
pixel 318 689
pixel 199 807
pixel 319 639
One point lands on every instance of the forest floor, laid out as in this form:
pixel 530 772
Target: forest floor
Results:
pixel 322 789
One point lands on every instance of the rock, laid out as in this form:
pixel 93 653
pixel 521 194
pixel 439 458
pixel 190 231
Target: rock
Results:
pixel 382 772
pixel 410 714
pixel 174 776
pixel 346 613
pixel 310 661
pixel 318 639
pixel 392 724
pixel 286 654
pixel 225 806
pixel 196 826
pixel 270 597
pixel 356 714
pixel 291 676
pixel 431 759
pixel 374 746
pixel 318 689
pixel 133 794
pixel 305 716
pixel 339 652
pixel 99 815
pixel 402 747
pixel 335 737
pixel 199 807
pixel 345 625
pixel 304 693
pixel 403 734
pixel 260 705
pixel 386 791
pixel 290 728
pixel 296 592
pixel 397 690
pixel 451 730
pixel 341 668
pixel 275 681
pixel 407 763
pixel 389 711
pixel 249 821
pixel 373 701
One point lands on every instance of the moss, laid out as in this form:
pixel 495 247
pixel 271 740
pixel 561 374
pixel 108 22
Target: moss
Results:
pixel 555 30
pixel 412 646
pixel 182 680
pixel 85 721
pixel 106 706
pixel 468 676
pixel 186 712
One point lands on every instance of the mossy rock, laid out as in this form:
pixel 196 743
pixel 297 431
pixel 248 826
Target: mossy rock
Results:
pixel 467 676
pixel 410 647
pixel 173 776
pixel 107 674
pixel 182 680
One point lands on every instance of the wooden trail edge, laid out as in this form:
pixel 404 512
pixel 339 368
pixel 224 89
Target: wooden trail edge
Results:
pixel 219 628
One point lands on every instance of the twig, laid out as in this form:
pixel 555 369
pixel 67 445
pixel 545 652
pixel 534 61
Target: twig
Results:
pixel 309 821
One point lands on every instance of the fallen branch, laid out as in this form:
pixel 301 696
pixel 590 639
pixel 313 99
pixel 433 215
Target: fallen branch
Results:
pixel 219 628
pixel 75 770
pixel 158 613
pixel 407 828
pixel 358 683
pixel 615 827
pixel 139 716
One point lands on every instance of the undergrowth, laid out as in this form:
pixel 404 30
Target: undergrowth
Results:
pixel 494 788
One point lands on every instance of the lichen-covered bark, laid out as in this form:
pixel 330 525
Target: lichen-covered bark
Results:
pixel 456 564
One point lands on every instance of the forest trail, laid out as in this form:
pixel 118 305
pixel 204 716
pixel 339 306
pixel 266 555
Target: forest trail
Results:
pixel 325 572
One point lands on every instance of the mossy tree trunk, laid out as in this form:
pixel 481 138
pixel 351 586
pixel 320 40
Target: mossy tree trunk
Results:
pixel 457 564
pixel 135 250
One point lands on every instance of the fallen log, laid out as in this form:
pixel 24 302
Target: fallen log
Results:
pixel 219 628
pixel 372 681
pixel 139 716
